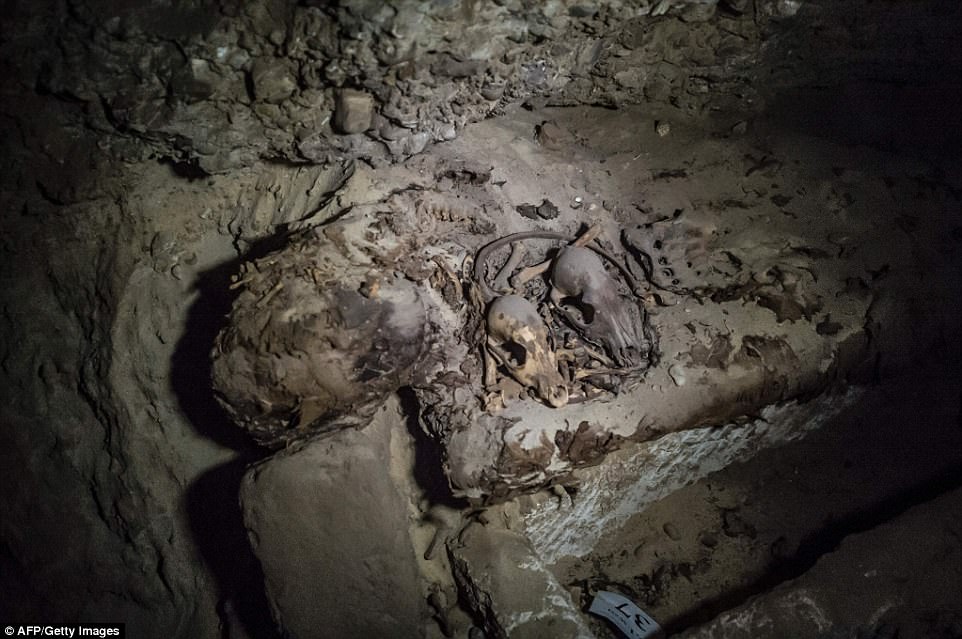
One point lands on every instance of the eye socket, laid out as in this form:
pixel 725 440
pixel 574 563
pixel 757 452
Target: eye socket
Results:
pixel 517 354
pixel 585 310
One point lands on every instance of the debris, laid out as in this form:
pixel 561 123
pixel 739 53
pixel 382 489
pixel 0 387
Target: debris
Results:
pixel 677 374
pixel 354 111
pixel 551 136
pixel 546 210
pixel 707 539
pixel 672 531
pixel 272 80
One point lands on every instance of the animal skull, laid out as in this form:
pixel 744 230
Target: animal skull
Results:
pixel 518 339
pixel 588 297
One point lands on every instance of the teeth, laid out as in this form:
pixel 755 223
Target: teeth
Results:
pixel 519 340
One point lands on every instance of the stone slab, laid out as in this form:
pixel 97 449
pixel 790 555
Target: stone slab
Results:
pixel 330 529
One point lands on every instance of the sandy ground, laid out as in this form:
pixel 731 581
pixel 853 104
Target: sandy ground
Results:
pixel 713 545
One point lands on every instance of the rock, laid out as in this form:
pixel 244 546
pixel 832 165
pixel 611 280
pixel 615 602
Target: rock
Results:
pixel 677 374
pixel 329 527
pixel 194 82
pixel 272 79
pixel 511 590
pixel 582 11
pixel 779 8
pixel 551 136
pixel 736 7
pixel 545 211
pixel 450 66
pixel 409 145
pixel 353 111
pixel 702 11
pixel 707 539
pixel 492 91
pixel 672 531
pixel 630 78
pixel 448 132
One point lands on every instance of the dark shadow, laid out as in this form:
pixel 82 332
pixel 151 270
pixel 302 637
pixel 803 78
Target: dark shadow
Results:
pixel 886 116
pixel 211 502
pixel 217 525
pixel 428 459
pixel 191 365
pixel 815 546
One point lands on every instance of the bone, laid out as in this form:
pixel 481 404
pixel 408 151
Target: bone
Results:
pixel 579 274
pixel 501 280
pixel 528 274
pixel 519 339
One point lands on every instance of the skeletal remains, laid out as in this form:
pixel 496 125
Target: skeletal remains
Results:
pixel 585 296
pixel 520 341
pixel 322 331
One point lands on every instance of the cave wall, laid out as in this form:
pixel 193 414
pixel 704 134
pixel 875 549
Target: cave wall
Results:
pixel 147 148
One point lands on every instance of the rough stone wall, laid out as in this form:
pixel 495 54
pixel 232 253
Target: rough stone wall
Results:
pixel 220 85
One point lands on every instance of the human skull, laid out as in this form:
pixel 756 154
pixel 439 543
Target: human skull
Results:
pixel 518 339
pixel 587 296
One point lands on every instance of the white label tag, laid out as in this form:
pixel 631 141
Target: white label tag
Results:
pixel 627 617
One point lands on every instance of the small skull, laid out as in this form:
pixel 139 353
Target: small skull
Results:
pixel 518 339
pixel 587 296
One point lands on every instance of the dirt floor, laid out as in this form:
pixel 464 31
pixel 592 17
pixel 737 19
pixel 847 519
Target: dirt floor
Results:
pixel 738 533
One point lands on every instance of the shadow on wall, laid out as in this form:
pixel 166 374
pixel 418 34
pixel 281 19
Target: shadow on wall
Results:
pixel 217 525
pixel 886 116
pixel 212 502
pixel 428 457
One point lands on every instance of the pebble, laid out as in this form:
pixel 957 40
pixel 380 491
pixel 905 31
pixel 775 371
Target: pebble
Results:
pixel 391 133
pixel 492 92
pixel 449 132
pixel 662 128
pixel 661 8
pixel 708 540
pixel 677 374
pixel 549 135
pixel 672 531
